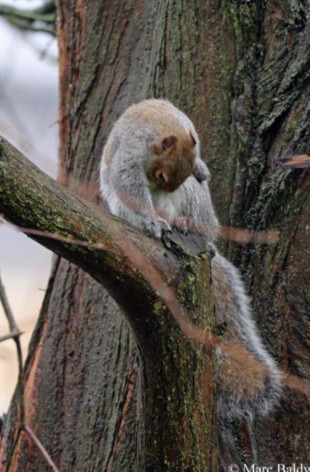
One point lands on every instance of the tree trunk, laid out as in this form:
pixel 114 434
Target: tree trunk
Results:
pixel 270 117
pixel 241 71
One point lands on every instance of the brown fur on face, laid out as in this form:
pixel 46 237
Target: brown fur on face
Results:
pixel 172 161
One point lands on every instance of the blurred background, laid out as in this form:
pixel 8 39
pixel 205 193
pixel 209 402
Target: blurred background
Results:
pixel 28 119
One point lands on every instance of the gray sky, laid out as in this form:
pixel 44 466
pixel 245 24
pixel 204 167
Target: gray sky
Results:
pixel 28 118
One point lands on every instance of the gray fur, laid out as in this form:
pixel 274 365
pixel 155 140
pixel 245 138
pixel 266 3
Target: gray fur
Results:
pixel 132 197
pixel 123 181
pixel 240 329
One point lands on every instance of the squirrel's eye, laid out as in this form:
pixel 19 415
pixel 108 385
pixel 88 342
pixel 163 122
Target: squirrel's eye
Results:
pixel 160 175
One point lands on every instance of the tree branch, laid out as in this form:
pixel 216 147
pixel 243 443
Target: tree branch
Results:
pixel 31 199
pixel 165 294
pixel 134 268
pixel 41 448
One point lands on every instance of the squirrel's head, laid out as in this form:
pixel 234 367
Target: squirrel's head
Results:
pixel 172 161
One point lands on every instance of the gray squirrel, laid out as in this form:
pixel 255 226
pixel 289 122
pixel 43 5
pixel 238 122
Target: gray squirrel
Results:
pixel 152 176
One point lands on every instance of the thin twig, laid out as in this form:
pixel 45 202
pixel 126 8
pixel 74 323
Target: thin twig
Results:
pixel 11 335
pixel 55 236
pixel 245 236
pixel 14 329
pixel 41 448
pixel 15 335
pixel 7 309
pixel 188 328
pixel 238 235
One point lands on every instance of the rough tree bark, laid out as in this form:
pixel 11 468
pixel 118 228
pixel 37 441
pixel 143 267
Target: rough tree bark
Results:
pixel 240 69
pixel 148 282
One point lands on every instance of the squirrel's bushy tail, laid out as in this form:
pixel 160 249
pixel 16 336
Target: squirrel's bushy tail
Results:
pixel 248 378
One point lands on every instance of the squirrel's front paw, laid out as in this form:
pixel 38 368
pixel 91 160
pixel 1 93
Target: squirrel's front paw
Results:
pixel 157 226
pixel 183 224
pixel 201 171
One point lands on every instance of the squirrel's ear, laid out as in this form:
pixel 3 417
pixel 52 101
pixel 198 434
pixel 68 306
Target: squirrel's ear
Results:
pixel 168 142
pixel 193 140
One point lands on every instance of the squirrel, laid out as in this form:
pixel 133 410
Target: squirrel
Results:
pixel 152 149
pixel 152 176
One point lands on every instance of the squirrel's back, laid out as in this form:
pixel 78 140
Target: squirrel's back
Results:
pixel 148 121
pixel 160 115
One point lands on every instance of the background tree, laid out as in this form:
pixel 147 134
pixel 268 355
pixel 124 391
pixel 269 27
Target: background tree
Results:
pixel 40 19
pixel 241 71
